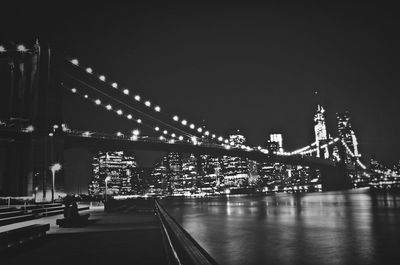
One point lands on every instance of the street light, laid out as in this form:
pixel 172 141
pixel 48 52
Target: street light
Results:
pixel 36 190
pixel 54 168
pixel 106 180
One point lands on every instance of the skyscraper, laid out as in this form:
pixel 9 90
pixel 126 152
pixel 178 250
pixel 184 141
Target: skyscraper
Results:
pixel 167 174
pixel 237 140
pixel 321 135
pixel 118 167
pixel 278 139
pixel 235 169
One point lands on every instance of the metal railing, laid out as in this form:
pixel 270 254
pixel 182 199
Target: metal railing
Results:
pixel 180 246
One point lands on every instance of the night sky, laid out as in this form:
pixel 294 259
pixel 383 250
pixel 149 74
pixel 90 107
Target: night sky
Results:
pixel 253 67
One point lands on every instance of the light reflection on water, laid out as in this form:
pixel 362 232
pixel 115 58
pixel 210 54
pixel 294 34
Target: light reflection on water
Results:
pixel 352 227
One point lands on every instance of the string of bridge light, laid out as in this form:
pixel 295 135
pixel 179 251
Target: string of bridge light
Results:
pixel 18 48
pixel 300 150
pixel 131 107
pixel 148 104
pixel 365 167
pixel 135 132
pixel 163 132
pixel 353 155
pixel 321 147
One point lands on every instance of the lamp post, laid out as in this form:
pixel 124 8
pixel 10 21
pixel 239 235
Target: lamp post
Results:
pixel 107 179
pixel 54 168
pixel 36 190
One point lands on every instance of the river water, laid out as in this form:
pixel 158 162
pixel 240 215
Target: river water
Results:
pixel 350 227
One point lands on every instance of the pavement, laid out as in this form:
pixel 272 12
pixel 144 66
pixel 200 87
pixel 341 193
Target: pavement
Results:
pixel 111 238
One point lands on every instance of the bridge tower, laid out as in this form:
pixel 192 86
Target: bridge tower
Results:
pixel 32 104
pixel 347 136
pixel 336 178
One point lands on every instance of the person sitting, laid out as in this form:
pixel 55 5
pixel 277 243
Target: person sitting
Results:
pixel 71 214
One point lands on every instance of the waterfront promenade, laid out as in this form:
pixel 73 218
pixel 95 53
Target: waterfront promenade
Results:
pixel 115 238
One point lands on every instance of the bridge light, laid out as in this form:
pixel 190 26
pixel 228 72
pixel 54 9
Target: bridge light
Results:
pixel 114 85
pixel 129 116
pixel 89 70
pixel 126 91
pixel 2 49
pixel 21 48
pixel 199 129
pixel 161 137
pixel 184 122
pixel 139 121
pixel 109 107
pixel 75 61
pixel 207 133
pixel 119 112
pixel 157 129
pixel 102 78
pixel 165 132
pixel 175 118
pixel 220 139
pixel 180 138
pixel 147 103
pixel 136 132
pixel 191 126
pixel 119 134
pixel 97 101
pixel 173 135
pixel 73 90
pixel 30 128
pixel 137 98
pixel 157 108
pixel 85 96
pixel 213 136
pixel 227 147
pixel 194 140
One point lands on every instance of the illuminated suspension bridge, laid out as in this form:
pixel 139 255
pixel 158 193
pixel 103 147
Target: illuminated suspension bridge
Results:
pixel 169 132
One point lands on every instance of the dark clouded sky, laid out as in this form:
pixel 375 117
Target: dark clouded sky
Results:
pixel 245 66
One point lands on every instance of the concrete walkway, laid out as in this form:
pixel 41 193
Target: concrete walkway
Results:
pixel 115 238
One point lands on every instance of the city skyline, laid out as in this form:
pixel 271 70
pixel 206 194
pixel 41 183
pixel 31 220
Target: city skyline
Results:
pixel 195 132
pixel 258 81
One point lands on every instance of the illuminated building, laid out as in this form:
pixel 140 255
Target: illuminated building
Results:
pixel 276 138
pixel 118 167
pixel 321 135
pixel 237 139
pixel 209 173
pixel 174 170
pixel 159 178
pixel 189 177
pixel 141 180
pixel 234 169
pixel 272 147
pixel 167 174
